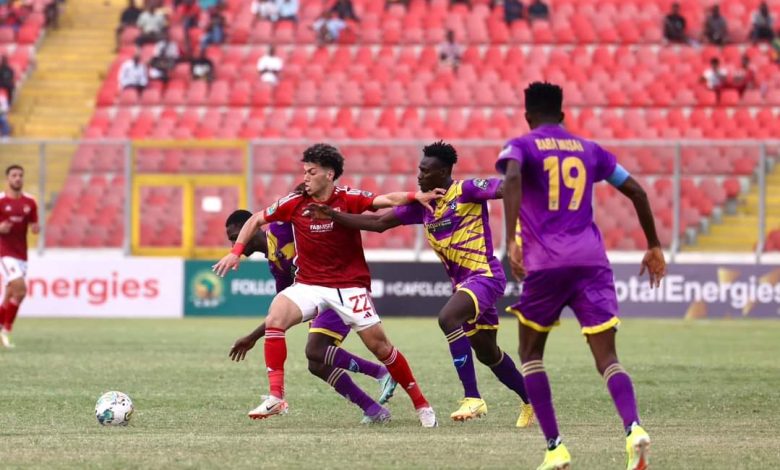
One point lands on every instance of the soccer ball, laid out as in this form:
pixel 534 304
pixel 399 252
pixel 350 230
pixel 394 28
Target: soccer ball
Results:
pixel 114 409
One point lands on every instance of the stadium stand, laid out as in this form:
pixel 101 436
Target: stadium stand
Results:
pixel 382 81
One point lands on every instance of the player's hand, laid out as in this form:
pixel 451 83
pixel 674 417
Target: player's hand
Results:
pixel 426 198
pixel 5 226
pixel 515 254
pixel 228 262
pixel 241 347
pixel 655 265
pixel 318 211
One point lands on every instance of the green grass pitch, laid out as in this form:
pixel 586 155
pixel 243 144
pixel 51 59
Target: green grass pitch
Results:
pixel 709 394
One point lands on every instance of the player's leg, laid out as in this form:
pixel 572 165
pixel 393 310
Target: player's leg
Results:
pixel 289 307
pixel 544 296
pixel 16 290
pixel 596 307
pixel 316 346
pixel 458 309
pixel 329 323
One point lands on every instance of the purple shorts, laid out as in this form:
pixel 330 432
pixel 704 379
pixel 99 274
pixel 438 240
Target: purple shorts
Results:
pixel 588 290
pixel 329 323
pixel 485 292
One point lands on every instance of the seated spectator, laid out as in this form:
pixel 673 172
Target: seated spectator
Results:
pixel 51 14
pixel 215 30
pixel 744 78
pixel 5 126
pixel 761 29
pixel 202 68
pixel 675 25
pixel 715 77
pixel 7 79
pixel 128 18
pixel 10 17
pixel 270 66
pixel 265 10
pixel 132 74
pixel 513 11
pixel 166 54
pixel 450 53
pixel 151 23
pixel 328 27
pixel 188 12
pixel 775 51
pixel 460 2
pixel 538 10
pixel 715 28
pixel 288 10
pixel 345 10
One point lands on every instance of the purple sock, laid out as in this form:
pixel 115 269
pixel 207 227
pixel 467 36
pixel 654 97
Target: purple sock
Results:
pixel 344 385
pixel 337 357
pixel 507 373
pixel 460 349
pixel 622 391
pixel 538 388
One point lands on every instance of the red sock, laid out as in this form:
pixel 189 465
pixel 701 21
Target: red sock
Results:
pixel 10 309
pixel 275 355
pixel 2 316
pixel 400 371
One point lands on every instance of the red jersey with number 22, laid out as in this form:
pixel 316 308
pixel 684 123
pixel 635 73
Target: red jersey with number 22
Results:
pixel 328 254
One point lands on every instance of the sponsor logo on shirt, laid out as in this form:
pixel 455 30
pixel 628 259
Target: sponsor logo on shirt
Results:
pixel 440 226
pixel 481 184
pixel 321 228
pixel 26 209
pixel 271 209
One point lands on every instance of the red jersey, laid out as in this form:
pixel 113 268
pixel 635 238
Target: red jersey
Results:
pixel 328 254
pixel 21 212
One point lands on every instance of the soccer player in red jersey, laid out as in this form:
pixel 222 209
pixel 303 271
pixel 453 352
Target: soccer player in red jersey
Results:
pixel 18 211
pixel 332 273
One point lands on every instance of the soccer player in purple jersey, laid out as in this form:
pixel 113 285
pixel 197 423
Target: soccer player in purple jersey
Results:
pixel 326 331
pixel 549 181
pixel 459 233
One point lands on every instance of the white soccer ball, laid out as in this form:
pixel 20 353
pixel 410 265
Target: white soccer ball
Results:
pixel 114 409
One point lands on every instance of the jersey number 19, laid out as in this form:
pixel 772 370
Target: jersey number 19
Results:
pixel 575 182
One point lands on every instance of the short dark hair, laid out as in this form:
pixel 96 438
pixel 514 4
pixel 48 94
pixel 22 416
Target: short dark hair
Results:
pixel 12 168
pixel 544 98
pixel 326 156
pixel 442 151
pixel 238 217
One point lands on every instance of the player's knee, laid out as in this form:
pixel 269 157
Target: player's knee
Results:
pixel 318 369
pixel 314 353
pixel 18 291
pixel 447 324
pixel 381 349
pixel 489 355
pixel 603 363
pixel 528 354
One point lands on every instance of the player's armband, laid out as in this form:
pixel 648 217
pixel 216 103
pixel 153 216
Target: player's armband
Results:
pixel 619 176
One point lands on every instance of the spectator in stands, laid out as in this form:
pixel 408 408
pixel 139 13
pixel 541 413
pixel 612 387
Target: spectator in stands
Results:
pixel 763 24
pixel 538 10
pixel 345 10
pixel 11 16
pixel 270 66
pixel 202 68
pixel 460 2
pixel 775 51
pixel 328 27
pixel 151 23
pixel 51 14
pixel 675 25
pixel 189 13
pixel 288 10
pixel 215 30
pixel 5 127
pixel 744 78
pixel 132 74
pixel 715 77
pixel 450 52
pixel 166 54
pixel 715 27
pixel 7 79
pixel 265 10
pixel 513 11
pixel 128 18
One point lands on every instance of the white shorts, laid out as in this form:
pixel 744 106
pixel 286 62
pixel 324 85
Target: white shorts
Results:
pixel 13 268
pixel 353 304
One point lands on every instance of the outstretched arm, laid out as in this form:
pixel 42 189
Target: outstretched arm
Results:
pixel 653 261
pixel 367 222
pixel 512 192
pixel 400 198
pixel 231 260
pixel 243 345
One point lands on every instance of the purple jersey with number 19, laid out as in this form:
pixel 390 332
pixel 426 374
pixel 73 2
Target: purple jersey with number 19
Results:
pixel 556 214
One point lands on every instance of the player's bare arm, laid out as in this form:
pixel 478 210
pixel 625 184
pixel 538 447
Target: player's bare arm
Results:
pixel 35 228
pixel 232 259
pixel 368 222
pixel 400 198
pixel 244 344
pixel 653 261
pixel 512 192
